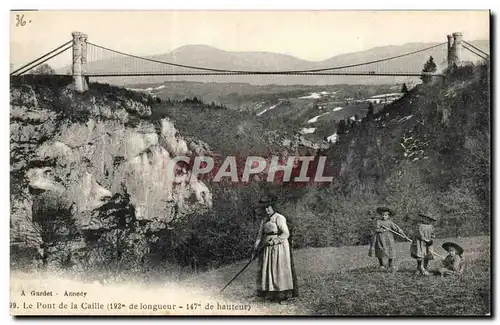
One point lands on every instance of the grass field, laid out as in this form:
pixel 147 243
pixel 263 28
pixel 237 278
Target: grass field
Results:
pixel 341 281
pixel 345 281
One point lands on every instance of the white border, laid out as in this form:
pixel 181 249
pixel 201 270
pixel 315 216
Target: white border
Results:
pixel 7 5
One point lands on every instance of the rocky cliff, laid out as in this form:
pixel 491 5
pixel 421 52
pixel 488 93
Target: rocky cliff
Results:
pixel 84 149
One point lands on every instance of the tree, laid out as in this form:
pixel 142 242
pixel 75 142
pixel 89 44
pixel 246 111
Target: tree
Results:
pixel 369 114
pixel 53 218
pixel 43 69
pixel 341 127
pixel 404 89
pixel 351 123
pixel 429 66
pixel 116 235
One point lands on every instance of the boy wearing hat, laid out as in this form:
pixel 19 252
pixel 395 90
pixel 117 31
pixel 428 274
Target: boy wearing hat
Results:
pixel 421 246
pixel 383 239
pixel 453 264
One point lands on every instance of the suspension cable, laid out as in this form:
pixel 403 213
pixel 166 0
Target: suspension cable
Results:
pixel 479 50
pixel 470 50
pixel 24 66
pixel 267 72
pixel 63 50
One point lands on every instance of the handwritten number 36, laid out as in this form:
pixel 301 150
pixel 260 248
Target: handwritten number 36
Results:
pixel 20 20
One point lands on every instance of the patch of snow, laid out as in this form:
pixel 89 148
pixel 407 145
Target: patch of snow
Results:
pixel 315 119
pixel 313 144
pixel 307 130
pixel 353 118
pixel 140 89
pixel 324 92
pixel 147 90
pixel 337 109
pixel 333 138
pixel 406 118
pixel 388 95
pixel 312 95
pixel 268 109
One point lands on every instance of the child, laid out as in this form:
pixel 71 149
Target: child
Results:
pixel 421 246
pixel 383 239
pixel 453 264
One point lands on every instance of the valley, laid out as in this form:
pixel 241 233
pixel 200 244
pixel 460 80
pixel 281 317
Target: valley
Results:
pixel 311 112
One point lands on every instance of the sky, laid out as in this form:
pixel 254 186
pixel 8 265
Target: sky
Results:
pixel 309 35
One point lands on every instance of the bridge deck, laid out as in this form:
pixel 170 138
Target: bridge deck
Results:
pixel 263 73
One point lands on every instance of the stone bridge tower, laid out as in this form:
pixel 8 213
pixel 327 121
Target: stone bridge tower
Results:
pixel 80 62
pixel 454 49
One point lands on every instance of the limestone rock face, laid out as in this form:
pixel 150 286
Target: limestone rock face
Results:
pixel 87 161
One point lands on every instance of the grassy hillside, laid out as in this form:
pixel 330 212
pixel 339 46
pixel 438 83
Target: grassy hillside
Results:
pixel 345 281
pixel 332 281
pixel 428 152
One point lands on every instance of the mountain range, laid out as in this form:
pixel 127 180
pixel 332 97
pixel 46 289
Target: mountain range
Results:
pixel 210 57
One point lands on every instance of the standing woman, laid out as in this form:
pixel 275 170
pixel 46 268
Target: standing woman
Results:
pixel 276 279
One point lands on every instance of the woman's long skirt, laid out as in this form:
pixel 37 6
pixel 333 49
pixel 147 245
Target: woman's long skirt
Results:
pixel 277 279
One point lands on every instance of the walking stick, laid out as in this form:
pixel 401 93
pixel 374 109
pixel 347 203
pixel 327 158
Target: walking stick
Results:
pixel 408 239
pixel 241 271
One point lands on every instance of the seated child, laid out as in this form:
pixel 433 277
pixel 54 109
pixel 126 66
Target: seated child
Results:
pixel 453 264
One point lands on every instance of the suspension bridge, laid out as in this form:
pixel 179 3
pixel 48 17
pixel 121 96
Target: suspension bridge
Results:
pixel 93 60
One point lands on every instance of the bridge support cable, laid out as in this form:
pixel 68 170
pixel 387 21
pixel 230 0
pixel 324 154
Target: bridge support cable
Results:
pixel 100 61
pixel 475 48
pixel 50 57
pixel 134 65
pixel 39 58
pixel 474 52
